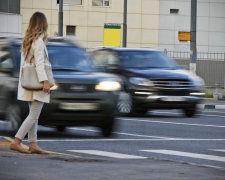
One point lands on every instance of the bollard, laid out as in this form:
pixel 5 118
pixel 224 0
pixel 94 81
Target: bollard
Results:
pixel 218 93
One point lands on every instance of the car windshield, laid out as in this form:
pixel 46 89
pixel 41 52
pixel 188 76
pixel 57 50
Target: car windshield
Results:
pixel 69 58
pixel 63 58
pixel 146 59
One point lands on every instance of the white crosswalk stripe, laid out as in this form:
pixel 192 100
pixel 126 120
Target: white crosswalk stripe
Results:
pixel 108 154
pixel 187 154
pixel 218 150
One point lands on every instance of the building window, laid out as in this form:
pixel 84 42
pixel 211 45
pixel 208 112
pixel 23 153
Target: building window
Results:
pixel 102 3
pixel 174 11
pixel 70 30
pixel 10 6
pixel 72 2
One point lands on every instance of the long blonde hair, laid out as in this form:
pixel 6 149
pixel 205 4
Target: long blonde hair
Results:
pixel 37 26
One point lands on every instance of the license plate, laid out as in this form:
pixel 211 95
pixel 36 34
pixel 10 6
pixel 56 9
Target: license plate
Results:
pixel 173 98
pixel 78 106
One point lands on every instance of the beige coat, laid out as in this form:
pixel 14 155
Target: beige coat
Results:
pixel 40 54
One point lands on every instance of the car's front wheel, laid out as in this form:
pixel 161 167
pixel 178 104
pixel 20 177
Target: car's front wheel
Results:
pixel 108 126
pixel 190 112
pixel 140 110
pixel 124 105
pixel 60 128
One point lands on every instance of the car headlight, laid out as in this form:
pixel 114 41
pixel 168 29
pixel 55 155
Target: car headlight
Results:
pixel 108 86
pixel 55 87
pixel 141 81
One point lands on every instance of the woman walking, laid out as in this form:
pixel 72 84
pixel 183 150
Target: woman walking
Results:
pixel 33 48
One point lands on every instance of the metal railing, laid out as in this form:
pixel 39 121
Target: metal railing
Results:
pixel 200 55
pixel 210 66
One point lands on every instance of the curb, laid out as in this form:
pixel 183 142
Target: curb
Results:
pixel 211 106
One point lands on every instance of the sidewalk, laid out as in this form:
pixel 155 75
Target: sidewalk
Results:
pixel 209 103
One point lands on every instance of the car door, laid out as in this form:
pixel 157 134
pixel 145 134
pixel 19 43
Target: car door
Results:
pixel 6 79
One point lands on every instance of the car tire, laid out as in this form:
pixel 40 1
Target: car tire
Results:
pixel 108 126
pixel 190 112
pixel 14 116
pixel 60 128
pixel 140 110
pixel 124 105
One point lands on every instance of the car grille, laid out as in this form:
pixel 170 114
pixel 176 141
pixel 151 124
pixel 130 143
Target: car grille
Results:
pixel 171 84
pixel 80 88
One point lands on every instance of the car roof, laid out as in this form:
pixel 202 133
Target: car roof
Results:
pixel 55 41
pixel 125 49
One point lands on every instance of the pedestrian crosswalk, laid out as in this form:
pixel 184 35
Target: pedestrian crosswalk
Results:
pixel 218 150
pixel 109 154
pixel 155 151
pixel 188 154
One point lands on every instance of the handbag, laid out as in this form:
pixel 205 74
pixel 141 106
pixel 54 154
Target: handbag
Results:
pixel 29 77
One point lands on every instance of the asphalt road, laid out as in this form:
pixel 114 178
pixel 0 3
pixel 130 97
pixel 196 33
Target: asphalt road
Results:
pixel 161 145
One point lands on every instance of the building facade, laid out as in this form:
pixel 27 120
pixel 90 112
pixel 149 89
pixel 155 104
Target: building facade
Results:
pixel 175 18
pixel 10 18
pixel 150 23
pixel 86 19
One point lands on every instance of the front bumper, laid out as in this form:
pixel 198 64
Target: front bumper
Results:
pixel 166 102
pixel 84 109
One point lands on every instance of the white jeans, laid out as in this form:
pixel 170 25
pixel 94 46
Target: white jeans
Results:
pixel 30 124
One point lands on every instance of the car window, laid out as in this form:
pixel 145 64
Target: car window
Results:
pixel 62 57
pixel 103 58
pixel 146 59
pixel 5 59
pixel 68 57
pixel 17 56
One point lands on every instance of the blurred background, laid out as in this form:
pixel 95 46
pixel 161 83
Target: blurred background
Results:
pixel 162 24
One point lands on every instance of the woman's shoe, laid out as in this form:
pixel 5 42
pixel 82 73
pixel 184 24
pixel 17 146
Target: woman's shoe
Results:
pixel 18 148
pixel 37 151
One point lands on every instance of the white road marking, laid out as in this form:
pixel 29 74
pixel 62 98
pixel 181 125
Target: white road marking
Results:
pixel 82 129
pixel 108 154
pixel 210 115
pixel 218 150
pixel 122 133
pixel 187 154
pixel 167 122
pixel 99 140
pixel 129 134
pixel 214 111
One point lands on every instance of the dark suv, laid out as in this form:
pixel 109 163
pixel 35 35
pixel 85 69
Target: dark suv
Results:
pixel 81 96
pixel 152 80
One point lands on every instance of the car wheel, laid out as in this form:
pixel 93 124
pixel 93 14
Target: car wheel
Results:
pixel 108 126
pixel 190 112
pixel 140 110
pixel 60 128
pixel 14 116
pixel 124 105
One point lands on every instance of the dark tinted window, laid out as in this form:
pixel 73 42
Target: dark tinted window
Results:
pixel 17 56
pixel 146 59
pixel 6 62
pixel 63 57
pixel 69 58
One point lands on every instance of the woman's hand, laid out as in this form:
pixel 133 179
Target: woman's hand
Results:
pixel 46 87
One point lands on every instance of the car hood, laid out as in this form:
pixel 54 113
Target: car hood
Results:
pixel 82 77
pixel 161 73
